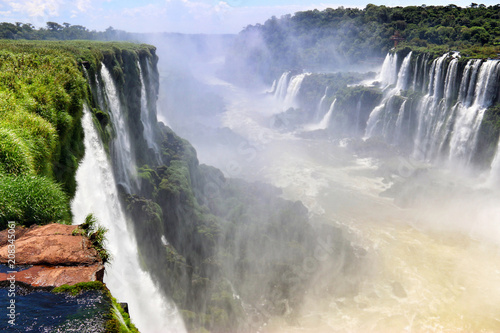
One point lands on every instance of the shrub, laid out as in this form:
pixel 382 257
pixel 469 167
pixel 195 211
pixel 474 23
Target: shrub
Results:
pixel 32 200
pixel 97 235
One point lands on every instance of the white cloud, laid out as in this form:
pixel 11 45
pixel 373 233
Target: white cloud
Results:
pixel 83 5
pixel 36 8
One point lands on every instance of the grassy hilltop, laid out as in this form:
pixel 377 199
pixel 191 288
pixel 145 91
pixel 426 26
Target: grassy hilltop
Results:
pixel 42 89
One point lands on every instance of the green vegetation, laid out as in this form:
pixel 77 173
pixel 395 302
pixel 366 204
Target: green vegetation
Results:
pixel 79 288
pixel 96 234
pixel 354 105
pixel 488 136
pixel 118 321
pixel 55 31
pixel 40 132
pixel 30 199
pixel 314 85
pixel 336 37
pixel 43 85
pixel 223 236
pixel 42 89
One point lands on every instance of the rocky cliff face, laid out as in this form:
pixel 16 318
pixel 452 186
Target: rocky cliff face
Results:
pixel 58 283
pixel 223 249
pixel 53 255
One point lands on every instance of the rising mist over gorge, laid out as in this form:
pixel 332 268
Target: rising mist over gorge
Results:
pixel 396 148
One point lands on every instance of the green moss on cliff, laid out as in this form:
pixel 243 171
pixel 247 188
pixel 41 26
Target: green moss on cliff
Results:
pixel 209 224
pixel 43 86
pixel 353 107
pixel 118 321
pixel 42 89
pixel 488 136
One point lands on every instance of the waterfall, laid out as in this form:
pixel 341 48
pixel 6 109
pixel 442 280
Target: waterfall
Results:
pixel 121 150
pixel 399 123
pixel 282 86
pixel 468 118
pixel 433 108
pixel 146 118
pixel 415 74
pixel 323 124
pixel 382 115
pixel 442 121
pixel 273 88
pixel 443 126
pixel 97 194
pixel 450 81
pixel 293 90
pixel 404 73
pixel 319 111
pixel 388 73
pixel 429 109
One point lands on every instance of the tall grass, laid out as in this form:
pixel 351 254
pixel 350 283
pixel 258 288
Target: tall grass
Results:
pixel 31 200
pixel 42 89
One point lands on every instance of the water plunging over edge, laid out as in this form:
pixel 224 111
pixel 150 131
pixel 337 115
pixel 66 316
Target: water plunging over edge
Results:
pixel 97 194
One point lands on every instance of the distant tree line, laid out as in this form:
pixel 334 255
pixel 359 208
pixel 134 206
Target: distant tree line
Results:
pixel 346 35
pixel 56 31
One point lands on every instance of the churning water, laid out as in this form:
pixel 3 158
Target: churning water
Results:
pixel 432 265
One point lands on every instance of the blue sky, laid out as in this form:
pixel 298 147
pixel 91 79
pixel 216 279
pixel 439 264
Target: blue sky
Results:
pixel 187 16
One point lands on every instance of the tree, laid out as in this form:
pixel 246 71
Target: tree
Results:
pixel 53 26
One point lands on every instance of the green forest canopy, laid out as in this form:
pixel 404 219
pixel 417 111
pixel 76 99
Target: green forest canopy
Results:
pixel 55 31
pixel 346 35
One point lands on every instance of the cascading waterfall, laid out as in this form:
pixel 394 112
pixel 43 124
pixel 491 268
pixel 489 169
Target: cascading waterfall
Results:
pixel 282 86
pixel 444 124
pixel 323 124
pixel 382 116
pixel 433 109
pixel 97 194
pixel 121 149
pixel 404 74
pixel 468 121
pixel 293 90
pixel 399 131
pixel 388 73
pixel 415 75
pixel 444 115
pixel 319 112
pixel 146 120
pixel 273 88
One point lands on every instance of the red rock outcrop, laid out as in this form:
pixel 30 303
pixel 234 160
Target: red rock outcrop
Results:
pixel 58 257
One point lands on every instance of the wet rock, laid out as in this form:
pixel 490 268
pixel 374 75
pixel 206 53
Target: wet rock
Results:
pixel 55 255
pixel 51 244
pixel 47 276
